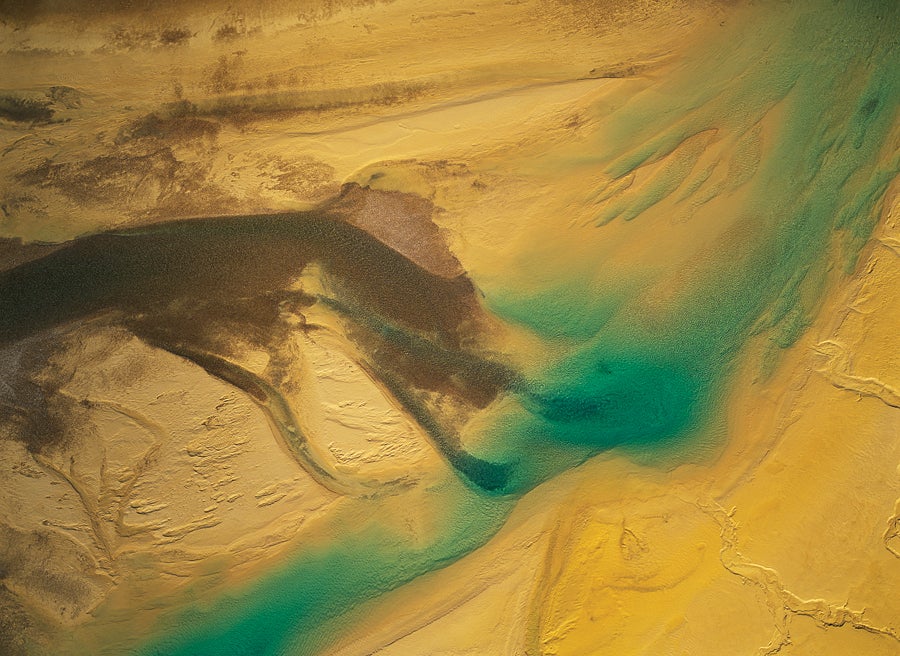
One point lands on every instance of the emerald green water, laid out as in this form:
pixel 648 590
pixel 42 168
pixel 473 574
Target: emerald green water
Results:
pixel 290 611
pixel 830 71
pixel 811 203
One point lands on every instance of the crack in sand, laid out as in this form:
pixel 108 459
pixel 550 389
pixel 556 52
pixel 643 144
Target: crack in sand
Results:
pixel 837 372
pixel 146 459
pixel 892 532
pixel 89 503
pixel 783 603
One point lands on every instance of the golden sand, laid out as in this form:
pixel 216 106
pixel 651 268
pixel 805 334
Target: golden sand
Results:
pixel 778 532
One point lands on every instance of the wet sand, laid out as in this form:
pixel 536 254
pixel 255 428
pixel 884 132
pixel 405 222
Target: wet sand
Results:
pixel 376 328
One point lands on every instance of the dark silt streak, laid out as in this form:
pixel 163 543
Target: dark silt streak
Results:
pixel 404 363
pixel 277 410
pixel 488 476
pixel 196 287
pixel 14 252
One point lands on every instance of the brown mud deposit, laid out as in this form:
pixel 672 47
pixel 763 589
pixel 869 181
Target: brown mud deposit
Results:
pixel 198 288
pixel 239 248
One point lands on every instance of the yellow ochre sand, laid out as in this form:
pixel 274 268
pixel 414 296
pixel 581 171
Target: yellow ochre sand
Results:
pixel 775 530
pixel 785 542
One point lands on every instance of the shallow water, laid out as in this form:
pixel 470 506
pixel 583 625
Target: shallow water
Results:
pixel 760 162
pixel 800 102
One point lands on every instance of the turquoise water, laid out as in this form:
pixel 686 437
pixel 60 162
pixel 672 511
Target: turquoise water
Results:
pixel 830 70
pixel 289 611
pixel 811 203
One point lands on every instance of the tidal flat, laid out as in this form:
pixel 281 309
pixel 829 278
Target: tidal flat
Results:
pixel 390 328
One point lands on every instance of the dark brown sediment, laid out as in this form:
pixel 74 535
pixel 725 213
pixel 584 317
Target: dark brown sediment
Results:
pixel 201 286
pixel 29 11
pixel 25 110
pixel 13 252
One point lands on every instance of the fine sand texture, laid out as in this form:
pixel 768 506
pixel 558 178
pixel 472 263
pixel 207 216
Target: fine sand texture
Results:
pixel 514 328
